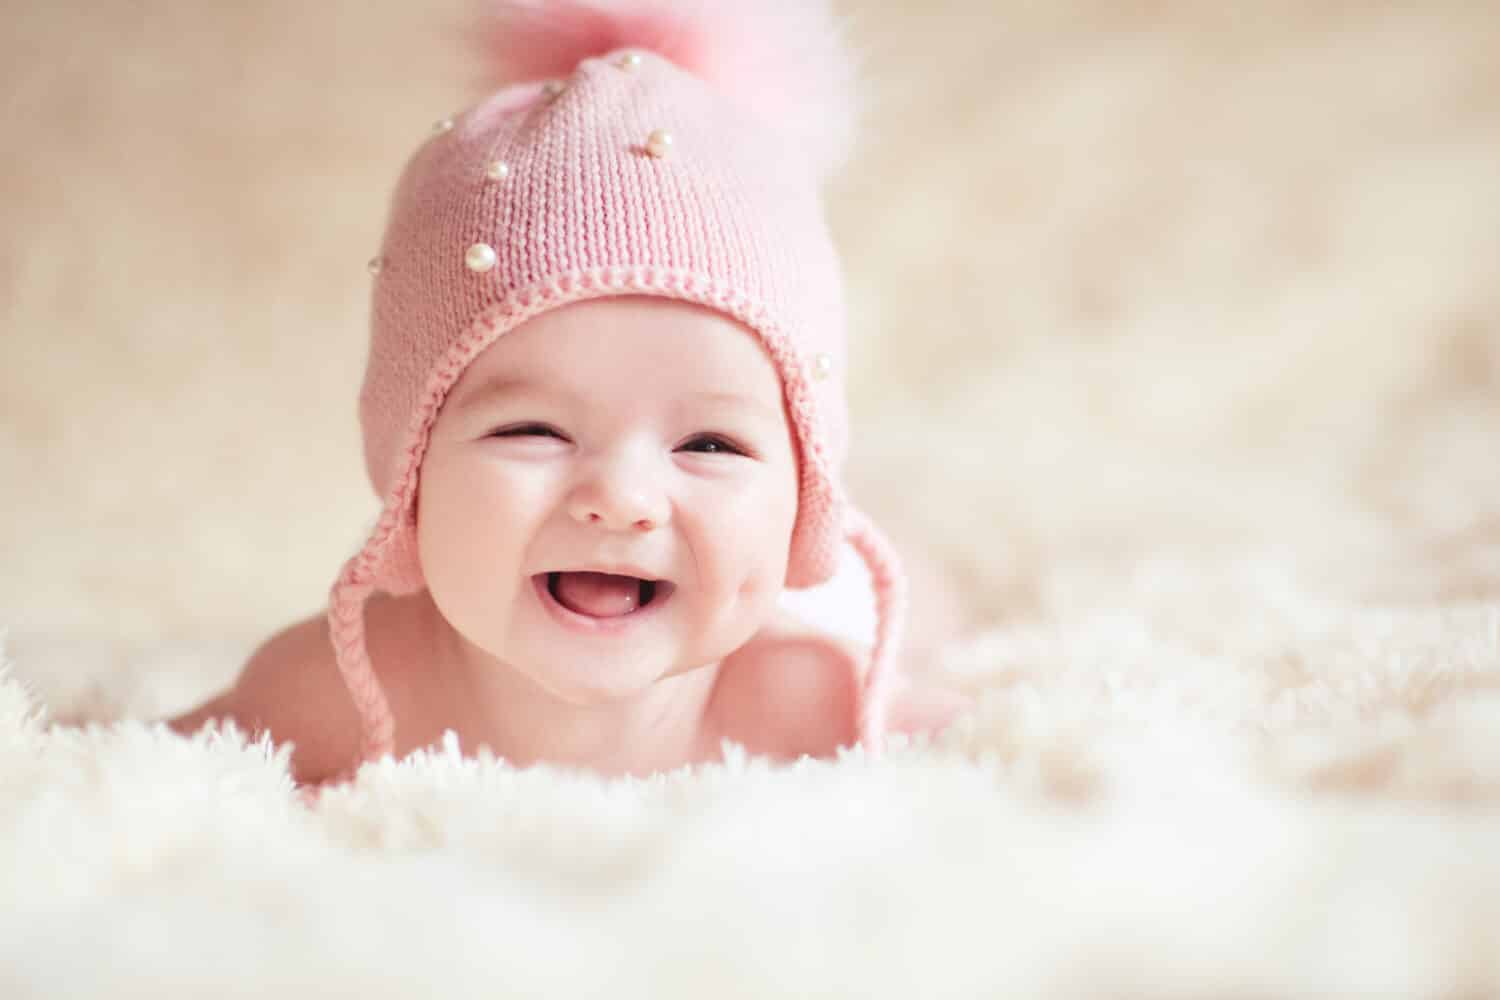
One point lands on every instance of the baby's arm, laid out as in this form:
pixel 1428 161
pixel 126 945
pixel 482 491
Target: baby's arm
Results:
pixel 793 690
pixel 290 687
pixel 789 691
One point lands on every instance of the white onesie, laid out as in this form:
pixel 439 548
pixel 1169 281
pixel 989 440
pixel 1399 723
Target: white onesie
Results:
pixel 844 605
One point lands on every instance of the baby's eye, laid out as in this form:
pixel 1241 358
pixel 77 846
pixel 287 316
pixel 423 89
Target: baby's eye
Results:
pixel 712 444
pixel 528 430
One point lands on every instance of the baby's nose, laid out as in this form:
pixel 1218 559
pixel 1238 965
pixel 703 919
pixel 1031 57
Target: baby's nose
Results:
pixel 607 519
pixel 615 505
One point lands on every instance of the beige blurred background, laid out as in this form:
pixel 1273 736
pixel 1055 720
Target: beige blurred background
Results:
pixel 1129 279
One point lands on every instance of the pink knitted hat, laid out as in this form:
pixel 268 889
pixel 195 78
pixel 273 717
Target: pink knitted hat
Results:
pixel 673 149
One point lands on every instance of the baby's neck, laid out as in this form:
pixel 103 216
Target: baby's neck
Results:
pixel 491 703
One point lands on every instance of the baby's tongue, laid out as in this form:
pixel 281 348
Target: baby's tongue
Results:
pixel 598 594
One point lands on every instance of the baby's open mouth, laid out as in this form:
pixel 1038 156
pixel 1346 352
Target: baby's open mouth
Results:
pixel 605 595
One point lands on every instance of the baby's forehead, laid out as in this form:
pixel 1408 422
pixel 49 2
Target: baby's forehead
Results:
pixel 656 346
pixel 704 373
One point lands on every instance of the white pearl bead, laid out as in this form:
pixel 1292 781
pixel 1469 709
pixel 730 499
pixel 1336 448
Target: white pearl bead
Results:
pixel 630 60
pixel 442 125
pixel 498 170
pixel 376 265
pixel 659 143
pixel 480 257
pixel 822 366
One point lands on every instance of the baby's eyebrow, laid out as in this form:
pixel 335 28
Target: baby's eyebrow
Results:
pixel 741 401
pixel 495 387
pixel 501 385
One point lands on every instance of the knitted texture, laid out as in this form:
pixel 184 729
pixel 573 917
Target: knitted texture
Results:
pixel 558 180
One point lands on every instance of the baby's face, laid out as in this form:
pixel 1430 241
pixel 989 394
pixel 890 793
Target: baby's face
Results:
pixel 635 436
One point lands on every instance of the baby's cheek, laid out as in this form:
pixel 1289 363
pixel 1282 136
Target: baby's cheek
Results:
pixel 759 591
pixel 761 557
pixel 472 527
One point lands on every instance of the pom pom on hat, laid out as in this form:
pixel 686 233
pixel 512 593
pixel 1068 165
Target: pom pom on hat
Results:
pixel 785 61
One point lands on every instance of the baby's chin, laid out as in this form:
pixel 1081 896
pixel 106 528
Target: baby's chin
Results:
pixel 598 683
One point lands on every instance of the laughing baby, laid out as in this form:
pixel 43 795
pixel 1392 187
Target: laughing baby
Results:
pixel 604 409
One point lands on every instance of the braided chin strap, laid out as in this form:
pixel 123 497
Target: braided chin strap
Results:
pixel 889 584
pixel 346 611
pixel 346 625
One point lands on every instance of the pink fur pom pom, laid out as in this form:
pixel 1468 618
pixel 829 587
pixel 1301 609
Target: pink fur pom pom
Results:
pixel 784 61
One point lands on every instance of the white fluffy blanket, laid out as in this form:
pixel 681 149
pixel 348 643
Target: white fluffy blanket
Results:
pixel 1308 810
pixel 1177 340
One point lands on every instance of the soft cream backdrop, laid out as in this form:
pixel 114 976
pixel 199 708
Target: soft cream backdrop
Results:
pixel 1128 279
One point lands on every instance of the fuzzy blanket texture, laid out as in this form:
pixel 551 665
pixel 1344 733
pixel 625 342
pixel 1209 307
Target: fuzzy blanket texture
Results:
pixel 1177 342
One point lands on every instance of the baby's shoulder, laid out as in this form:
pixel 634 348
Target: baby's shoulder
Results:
pixel 291 687
pixel 790 691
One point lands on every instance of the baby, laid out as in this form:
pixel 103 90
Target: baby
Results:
pixel 604 407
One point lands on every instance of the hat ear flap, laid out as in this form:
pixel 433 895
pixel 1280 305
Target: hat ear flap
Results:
pixel 816 537
pixel 397 567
